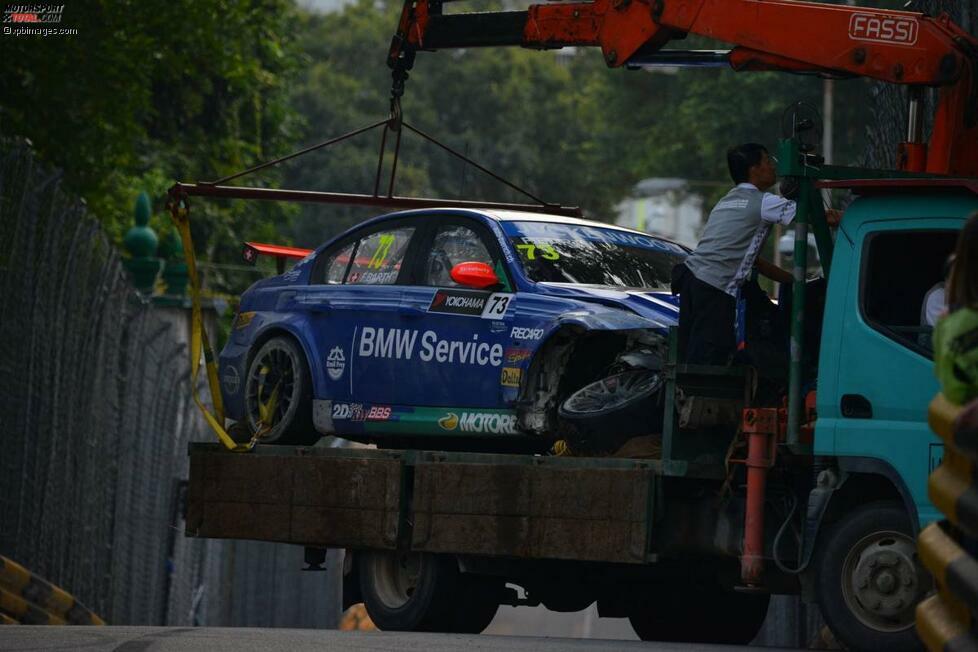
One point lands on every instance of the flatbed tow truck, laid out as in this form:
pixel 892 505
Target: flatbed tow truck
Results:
pixel 820 497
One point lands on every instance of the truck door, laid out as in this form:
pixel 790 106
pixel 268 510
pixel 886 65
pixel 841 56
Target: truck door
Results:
pixel 874 323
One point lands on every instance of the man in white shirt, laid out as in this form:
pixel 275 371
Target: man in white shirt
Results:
pixel 709 280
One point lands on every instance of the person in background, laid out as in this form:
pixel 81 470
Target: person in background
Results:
pixel 935 301
pixel 956 334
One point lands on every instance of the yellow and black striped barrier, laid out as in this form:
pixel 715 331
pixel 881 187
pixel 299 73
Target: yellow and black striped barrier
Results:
pixel 28 599
pixel 948 620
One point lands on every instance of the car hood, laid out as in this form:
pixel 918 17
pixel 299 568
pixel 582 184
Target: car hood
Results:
pixel 659 306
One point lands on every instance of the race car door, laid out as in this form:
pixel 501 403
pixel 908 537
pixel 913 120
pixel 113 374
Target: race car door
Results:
pixel 358 290
pixel 462 332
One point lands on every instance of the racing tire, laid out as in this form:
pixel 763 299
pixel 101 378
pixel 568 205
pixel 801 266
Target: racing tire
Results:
pixel 280 363
pixel 409 592
pixel 700 614
pixel 868 579
pixel 604 414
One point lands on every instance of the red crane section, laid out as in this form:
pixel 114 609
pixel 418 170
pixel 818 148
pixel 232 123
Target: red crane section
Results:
pixel 899 47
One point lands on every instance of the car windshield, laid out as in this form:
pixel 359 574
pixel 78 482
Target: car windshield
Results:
pixel 588 255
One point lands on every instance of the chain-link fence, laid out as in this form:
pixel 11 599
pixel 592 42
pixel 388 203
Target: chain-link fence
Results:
pixel 95 417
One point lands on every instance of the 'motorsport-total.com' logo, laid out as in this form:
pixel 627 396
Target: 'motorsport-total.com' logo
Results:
pixel 34 19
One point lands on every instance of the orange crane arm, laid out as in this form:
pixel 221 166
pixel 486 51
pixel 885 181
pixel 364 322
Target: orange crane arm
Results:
pixel 900 47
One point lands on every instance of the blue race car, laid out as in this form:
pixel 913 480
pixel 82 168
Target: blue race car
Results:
pixel 447 328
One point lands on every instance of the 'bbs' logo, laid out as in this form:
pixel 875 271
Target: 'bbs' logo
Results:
pixel 871 27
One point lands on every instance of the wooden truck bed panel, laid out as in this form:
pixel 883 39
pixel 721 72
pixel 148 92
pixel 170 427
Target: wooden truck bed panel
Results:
pixel 314 500
pixel 532 511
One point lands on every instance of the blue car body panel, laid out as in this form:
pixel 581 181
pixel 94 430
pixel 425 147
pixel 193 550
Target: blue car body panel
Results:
pixel 399 358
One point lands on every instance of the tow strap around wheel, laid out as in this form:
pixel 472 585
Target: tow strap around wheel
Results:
pixel 200 343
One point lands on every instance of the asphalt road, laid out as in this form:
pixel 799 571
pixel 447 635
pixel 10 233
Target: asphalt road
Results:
pixel 217 639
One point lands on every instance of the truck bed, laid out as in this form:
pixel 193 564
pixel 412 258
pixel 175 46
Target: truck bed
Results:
pixel 520 506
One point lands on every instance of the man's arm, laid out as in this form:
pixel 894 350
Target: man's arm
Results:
pixel 772 271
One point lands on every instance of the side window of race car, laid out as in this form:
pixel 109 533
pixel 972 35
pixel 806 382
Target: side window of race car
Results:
pixel 337 264
pixel 377 258
pixel 453 244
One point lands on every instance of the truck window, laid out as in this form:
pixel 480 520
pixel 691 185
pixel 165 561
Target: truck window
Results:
pixel 899 269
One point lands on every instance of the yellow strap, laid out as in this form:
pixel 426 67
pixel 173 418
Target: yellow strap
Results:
pixel 199 342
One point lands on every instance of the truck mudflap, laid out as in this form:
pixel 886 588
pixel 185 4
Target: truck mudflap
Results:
pixel 520 506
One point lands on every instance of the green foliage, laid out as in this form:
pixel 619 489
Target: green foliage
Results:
pixel 560 124
pixel 149 92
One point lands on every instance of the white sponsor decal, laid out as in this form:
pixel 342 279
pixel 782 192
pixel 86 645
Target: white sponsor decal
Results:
pixel 401 344
pixel 231 380
pixel 335 363
pixel 496 305
pixel 520 333
pixel 480 422
pixel 352 411
pixel 900 30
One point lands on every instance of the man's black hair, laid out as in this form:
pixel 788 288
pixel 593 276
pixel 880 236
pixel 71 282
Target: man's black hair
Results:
pixel 742 158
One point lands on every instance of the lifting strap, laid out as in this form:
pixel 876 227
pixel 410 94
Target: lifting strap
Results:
pixel 200 343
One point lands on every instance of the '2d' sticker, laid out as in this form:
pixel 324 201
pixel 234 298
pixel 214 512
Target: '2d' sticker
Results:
pixel 471 303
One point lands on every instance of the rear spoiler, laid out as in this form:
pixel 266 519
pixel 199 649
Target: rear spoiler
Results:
pixel 252 250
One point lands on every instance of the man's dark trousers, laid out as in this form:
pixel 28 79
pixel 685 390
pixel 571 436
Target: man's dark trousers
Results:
pixel 706 320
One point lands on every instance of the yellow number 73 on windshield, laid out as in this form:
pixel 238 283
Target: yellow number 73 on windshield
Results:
pixel 547 252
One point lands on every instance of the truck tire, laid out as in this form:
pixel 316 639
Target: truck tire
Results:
pixel 604 414
pixel 408 591
pixel 280 364
pixel 868 579
pixel 476 605
pixel 699 614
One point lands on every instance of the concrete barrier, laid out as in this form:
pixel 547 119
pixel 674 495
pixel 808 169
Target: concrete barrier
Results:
pixel 28 599
pixel 947 620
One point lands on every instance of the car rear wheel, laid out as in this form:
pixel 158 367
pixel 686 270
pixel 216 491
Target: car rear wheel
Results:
pixel 278 394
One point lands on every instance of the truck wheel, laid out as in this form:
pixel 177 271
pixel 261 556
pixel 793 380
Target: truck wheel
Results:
pixel 733 618
pixel 408 592
pixel 476 605
pixel 278 391
pixel 869 579
pixel 606 413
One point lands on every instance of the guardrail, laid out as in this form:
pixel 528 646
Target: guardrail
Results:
pixel 948 621
pixel 28 599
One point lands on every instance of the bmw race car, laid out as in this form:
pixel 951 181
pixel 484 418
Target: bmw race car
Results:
pixel 492 330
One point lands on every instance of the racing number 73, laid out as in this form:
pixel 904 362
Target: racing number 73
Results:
pixel 496 306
